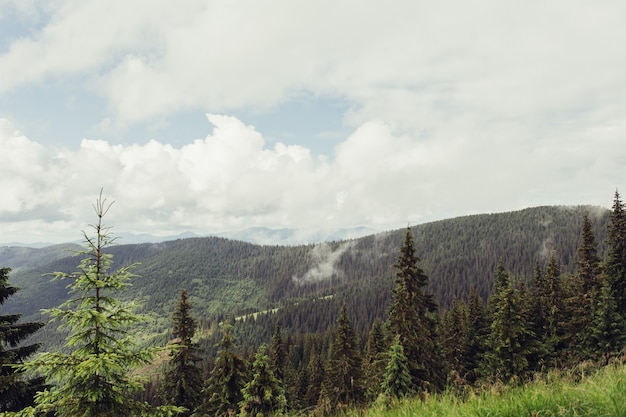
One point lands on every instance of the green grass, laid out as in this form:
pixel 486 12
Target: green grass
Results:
pixel 601 394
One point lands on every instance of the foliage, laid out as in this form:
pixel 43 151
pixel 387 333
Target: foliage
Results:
pixel 16 392
pixel 397 379
pixel 510 342
pixel 564 394
pixel 183 377
pixel 94 379
pixel 264 394
pixel 411 317
pixel 344 378
pixel 223 389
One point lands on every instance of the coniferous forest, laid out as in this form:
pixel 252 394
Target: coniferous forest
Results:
pixel 213 327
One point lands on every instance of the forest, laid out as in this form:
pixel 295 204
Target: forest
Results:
pixel 211 326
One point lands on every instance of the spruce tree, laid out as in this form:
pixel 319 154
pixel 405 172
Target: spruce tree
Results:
pixel 587 261
pixel 615 262
pixel 277 354
pixel 183 376
pixel 264 395
pixel 95 378
pixel 397 378
pixel 344 373
pixel 511 342
pixel 548 311
pixel 582 290
pixel 223 390
pixel 16 391
pixel 375 360
pixel 455 340
pixel 316 376
pixel 607 336
pixel 412 316
pixel 477 335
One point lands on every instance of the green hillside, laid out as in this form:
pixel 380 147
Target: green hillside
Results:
pixel 227 278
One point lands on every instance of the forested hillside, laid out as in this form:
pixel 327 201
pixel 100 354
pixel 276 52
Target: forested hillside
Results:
pixel 232 278
pixel 445 305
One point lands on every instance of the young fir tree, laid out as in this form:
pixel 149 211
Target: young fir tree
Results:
pixel 222 392
pixel 264 395
pixel 95 378
pixel 344 376
pixel 412 316
pixel 615 262
pixel 183 377
pixel 16 391
pixel 397 378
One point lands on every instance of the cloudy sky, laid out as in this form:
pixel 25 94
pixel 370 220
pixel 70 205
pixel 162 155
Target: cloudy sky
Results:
pixel 219 115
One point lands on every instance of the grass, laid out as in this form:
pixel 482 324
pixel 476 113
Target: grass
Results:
pixel 601 394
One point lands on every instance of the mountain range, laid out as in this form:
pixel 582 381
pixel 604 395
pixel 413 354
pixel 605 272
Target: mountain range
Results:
pixel 229 277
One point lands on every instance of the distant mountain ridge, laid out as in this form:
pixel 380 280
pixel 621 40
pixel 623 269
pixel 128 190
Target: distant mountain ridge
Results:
pixel 257 235
pixel 230 277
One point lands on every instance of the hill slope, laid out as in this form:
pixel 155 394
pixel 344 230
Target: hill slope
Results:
pixel 228 277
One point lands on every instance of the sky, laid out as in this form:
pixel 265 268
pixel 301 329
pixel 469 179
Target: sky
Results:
pixel 218 115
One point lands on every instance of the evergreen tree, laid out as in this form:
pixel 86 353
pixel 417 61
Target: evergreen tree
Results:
pixel 222 392
pixel 510 343
pixel 588 262
pixel 615 262
pixel 455 339
pixel 477 335
pixel 264 395
pixel 277 354
pixel 183 377
pixel 95 378
pixel 547 311
pixel 412 316
pixel 397 379
pixel 16 392
pixel 607 336
pixel 375 360
pixel 344 372
pixel 582 290
pixel 316 376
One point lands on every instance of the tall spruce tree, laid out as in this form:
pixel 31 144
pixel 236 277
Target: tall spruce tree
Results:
pixel 222 392
pixel 547 310
pixel 511 342
pixel 412 316
pixel 95 379
pixel 606 331
pixel 588 263
pixel 344 373
pixel 582 290
pixel 264 394
pixel 16 391
pixel 455 340
pixel 277 354
pixel 183 377
pixel 375 360
pixel 615 262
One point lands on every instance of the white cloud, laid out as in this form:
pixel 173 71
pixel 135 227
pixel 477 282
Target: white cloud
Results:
pixel 455 107
pixel 231 180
